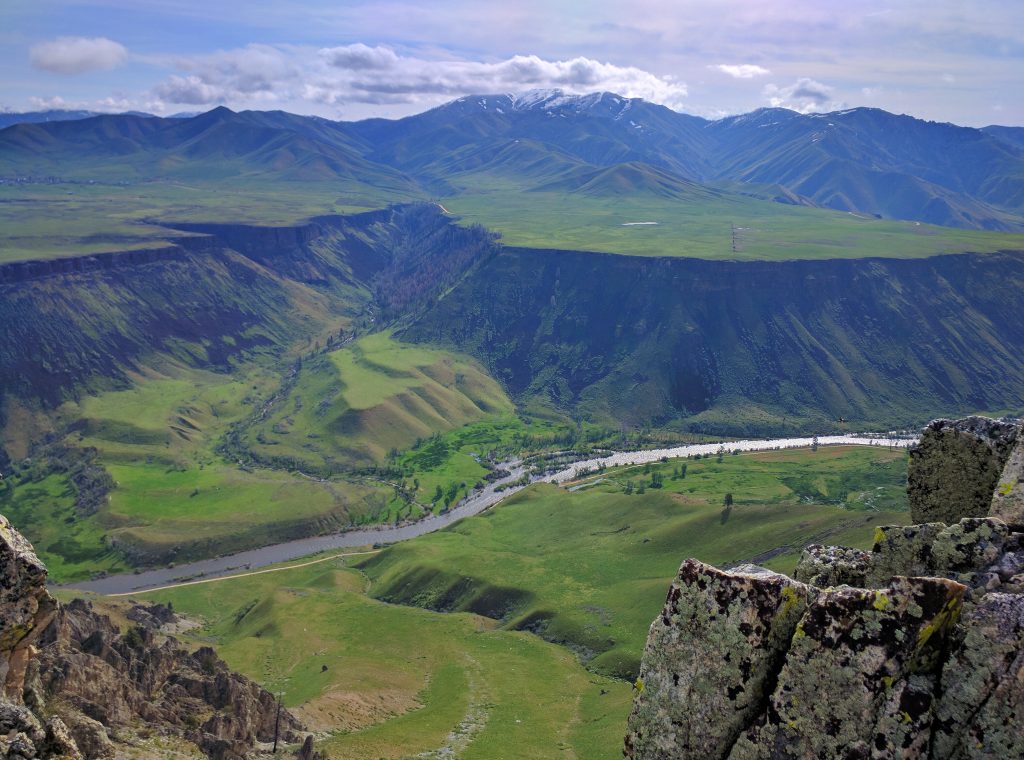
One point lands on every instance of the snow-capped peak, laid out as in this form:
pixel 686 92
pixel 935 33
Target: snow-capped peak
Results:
pixel 549 100
pixel 526 100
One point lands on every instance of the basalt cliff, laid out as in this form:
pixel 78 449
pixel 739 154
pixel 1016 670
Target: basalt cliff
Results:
pixel 913 650
pixel 75 686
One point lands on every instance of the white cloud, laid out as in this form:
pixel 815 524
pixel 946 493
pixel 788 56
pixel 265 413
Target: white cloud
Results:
pixel 54 103
pixel 190 90
pixel 378 75
pixel 360 57
pixel 113 104
pixel 804 95
pixel 741 70
pixel 76 55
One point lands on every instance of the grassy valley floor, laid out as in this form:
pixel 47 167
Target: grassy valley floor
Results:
pixel 589 567
pixel 446 672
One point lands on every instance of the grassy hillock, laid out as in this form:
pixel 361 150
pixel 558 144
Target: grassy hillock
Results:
pixel 352 406
pixel 588 567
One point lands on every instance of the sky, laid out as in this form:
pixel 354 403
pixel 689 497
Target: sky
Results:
pixel 960 61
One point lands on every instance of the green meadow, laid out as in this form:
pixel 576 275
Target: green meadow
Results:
pixel 72 547
pixel 456 666
pixel 706 226
pixel 589 567
pixel 386 681
pixel 41 221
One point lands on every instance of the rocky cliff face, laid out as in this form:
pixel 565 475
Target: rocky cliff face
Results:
pixel 75 686
pixel 913 650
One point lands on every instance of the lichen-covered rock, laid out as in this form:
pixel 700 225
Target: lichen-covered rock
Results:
pixel 883 671
pixel 968 547
pixel 981 713
pixel 1008 499
pixel 26 607
pixel 901 550
pixel 860 675
pixel 954 469
pixel 710 659
pixel 825 566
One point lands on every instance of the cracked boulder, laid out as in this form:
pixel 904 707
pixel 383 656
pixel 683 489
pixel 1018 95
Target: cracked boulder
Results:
pixel 982 707
pixel 1008 499
pixel 860 675
pixel 710 659
pixel 955 468
pixel 901 550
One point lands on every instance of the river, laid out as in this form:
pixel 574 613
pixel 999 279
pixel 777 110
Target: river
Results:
pixel 268 555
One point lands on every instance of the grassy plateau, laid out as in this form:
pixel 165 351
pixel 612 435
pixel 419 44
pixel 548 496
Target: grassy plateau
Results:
pixel 730 227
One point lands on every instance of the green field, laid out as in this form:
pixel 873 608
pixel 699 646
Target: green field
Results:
pixel 72 547
pixel 385 681
pixel 54 221
pixel 589 568
pixel 703 228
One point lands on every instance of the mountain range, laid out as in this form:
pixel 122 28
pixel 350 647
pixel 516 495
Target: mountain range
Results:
pixel 861 160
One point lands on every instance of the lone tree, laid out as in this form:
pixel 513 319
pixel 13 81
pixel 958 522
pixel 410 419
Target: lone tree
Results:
pixel 727 508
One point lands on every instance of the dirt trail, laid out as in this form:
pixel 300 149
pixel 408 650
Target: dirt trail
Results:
pixel 246 575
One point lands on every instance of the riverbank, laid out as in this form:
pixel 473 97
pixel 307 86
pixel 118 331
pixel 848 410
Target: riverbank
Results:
pixel 247 561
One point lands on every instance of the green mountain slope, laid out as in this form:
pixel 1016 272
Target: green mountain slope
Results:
pixel 743 347
pixel 216 145
pixel 633 180
pixel 351 407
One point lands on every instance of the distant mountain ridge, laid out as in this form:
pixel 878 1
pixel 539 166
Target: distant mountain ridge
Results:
pixel 9 118
pixel 862 160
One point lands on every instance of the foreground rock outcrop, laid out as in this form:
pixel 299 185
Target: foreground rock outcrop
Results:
pixel 954 469
pixel 912 650
pixel 75 686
